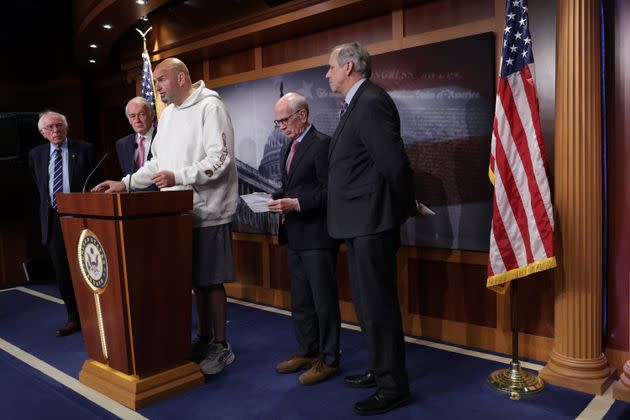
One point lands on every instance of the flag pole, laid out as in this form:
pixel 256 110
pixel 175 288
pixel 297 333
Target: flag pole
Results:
pixel 159 105
pixel 521 235
pixel 514 380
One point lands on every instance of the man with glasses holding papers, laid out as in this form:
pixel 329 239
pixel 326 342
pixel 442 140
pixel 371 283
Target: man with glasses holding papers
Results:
pixel 312 254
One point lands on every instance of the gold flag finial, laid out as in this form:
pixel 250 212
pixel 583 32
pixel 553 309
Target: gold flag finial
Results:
pixel 148 77
pixel 144 38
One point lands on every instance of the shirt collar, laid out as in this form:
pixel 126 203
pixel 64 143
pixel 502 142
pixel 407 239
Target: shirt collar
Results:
pixel 64 147
pixel 301 136
pixel 353 90
pixel 148 135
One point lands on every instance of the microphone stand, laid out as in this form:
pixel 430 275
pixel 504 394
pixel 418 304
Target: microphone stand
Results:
pixel 95 168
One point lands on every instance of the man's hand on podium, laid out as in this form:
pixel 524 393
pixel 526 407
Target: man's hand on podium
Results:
pixel 110 187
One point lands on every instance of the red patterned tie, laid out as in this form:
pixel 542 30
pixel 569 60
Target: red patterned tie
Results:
pixel 294 147
pixel 140 157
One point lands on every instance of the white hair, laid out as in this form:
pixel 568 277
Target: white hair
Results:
pixel 358 55
pixel 296 102
pixel 40 122
pixel 140 101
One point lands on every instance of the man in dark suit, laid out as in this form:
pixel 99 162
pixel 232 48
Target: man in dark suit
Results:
pixel 312 254
pixel 370 194
pixel 135 149
pixel 61 165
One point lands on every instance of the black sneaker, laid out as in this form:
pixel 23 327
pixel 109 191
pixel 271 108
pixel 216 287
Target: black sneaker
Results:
pixel 217 360
pixel 200 348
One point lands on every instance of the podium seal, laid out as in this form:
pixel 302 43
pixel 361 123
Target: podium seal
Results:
pixel 94 269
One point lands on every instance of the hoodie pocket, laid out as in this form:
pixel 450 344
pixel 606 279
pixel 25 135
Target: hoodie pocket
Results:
pixel 199 198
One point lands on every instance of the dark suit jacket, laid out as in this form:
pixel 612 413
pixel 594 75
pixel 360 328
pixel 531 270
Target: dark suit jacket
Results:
pixel 370 182
pixel 307 181
pixel 125 149
pixel 82 159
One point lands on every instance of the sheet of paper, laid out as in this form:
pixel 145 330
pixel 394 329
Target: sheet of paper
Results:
pixel 257 201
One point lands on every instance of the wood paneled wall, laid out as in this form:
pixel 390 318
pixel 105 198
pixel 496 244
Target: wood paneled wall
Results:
pixel 20 237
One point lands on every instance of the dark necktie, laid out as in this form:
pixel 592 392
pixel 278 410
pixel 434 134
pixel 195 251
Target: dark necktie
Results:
pixel 57 177
pixel 343 109
pixel 294 147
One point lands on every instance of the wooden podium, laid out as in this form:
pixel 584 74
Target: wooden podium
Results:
pixel 131 266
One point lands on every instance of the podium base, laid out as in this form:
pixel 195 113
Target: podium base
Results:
pixel 137 392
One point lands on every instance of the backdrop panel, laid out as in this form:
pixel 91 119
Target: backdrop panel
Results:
pixel 444 93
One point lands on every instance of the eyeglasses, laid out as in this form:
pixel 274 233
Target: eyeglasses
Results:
pixel 51 127
pixel 139 115
pixel 284 121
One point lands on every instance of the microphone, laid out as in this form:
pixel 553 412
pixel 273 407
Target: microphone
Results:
pixel 109 149
pixel 135 147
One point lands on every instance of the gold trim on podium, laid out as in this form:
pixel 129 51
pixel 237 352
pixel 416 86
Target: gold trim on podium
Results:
pixel 135 391
pixel 125 281
pixel 96 285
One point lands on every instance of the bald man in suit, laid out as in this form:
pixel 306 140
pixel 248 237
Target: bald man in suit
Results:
pixel 312 254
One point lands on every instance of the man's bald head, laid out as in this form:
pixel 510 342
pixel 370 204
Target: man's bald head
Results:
pixel 291 112
pixel 173 64
pixel 172 81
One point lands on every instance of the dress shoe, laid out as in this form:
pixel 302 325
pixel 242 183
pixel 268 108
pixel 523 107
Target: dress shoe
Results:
pixel 319 372
pixel 379 403
pixel 295 364
pixel 70 327
pixel 364 380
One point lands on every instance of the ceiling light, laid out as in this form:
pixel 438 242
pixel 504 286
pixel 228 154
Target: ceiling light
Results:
pixel 141 2
pixel 91 60
pixel 107 26
pixel 93 46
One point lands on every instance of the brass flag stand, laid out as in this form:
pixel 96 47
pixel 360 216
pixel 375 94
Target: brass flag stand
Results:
pixel 514 380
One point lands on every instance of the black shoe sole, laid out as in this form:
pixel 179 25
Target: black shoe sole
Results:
pixel 383 410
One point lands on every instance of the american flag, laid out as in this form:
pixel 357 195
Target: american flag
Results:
pixel 147 80
pixel 521 239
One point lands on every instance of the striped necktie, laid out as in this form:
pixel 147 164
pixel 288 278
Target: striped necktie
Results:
pixel 57 177
pixel 343 109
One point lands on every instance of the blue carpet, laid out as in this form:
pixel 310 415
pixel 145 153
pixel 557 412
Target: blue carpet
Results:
pixel 619 410
pixel 443 384
pixel 29 394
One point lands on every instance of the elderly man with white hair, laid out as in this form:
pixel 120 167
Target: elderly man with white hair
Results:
pixel 134 150
pixel 60 165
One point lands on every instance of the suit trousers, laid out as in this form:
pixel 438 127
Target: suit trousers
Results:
pixel 314 303
pixel 372 270
pixel 59 259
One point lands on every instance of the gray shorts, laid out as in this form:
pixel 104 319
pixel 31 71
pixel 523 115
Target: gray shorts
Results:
pixel 212 255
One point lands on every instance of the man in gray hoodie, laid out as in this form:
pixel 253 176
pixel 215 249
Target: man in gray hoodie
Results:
pixel 194 149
